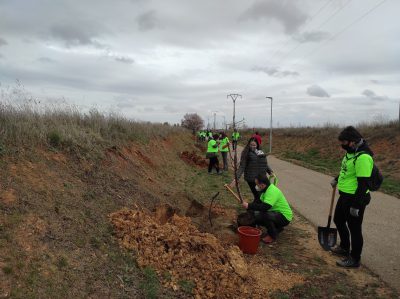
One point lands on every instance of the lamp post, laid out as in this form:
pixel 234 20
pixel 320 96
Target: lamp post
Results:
pixel 270 128
pixel 215 113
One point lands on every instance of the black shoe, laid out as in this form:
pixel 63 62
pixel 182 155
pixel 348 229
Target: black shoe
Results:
pixel 340 251
pixel 348 263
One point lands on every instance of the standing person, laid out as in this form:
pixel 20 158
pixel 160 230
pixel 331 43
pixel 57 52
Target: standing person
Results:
pixel 235 138
pixel 274 211
pixel 257 136
pixel 352 183
pixel 224 149
pixel 212 154
pixel 252 162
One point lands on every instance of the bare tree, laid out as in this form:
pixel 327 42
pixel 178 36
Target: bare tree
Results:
pixel 192 121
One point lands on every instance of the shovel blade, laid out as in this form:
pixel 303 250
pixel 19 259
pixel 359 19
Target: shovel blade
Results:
pixel 327 237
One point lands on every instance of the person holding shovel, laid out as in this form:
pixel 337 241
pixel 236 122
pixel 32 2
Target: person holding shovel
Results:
pixel 352 183
pixel 274 211
pixel 224 149
pixel 252 162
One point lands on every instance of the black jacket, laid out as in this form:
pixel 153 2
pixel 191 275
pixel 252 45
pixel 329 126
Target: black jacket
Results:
pixel 252 165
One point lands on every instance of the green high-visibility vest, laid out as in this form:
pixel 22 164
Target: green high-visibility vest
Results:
pixel 274 197
pixel 211 148
pixel 222 144
pixel 235 136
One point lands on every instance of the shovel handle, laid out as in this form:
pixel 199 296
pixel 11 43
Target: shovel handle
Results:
pixel 331 207
pixel 232 192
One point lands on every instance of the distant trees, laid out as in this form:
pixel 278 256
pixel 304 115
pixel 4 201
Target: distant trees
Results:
pixel 192 121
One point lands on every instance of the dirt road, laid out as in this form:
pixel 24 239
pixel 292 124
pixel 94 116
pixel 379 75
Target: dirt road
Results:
pixel 309 193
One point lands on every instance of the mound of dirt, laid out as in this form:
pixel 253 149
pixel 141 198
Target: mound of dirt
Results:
pixel 193 159
pixel 187 254
pixel 178 248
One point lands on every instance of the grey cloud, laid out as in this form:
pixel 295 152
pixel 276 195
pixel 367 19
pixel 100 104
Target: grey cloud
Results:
pixel 3 42
pixel 311 36
pixel 285 12
pixel 1 55
pixel 171 109
pixel 275 72
pixel 317 91
pixel 375 81
pixel 124 59
pixel 147 21
pixel 149 109
pixel 75 36
pixel 371 95
pixel 46 60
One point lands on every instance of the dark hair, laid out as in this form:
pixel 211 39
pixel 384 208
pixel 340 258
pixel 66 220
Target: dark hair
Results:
pixel 257 133
pixel 350 134
pixel 215 136
pixel 262 178
pixel 246 149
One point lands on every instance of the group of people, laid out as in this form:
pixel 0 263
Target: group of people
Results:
pixel 270 208
pixel 218 143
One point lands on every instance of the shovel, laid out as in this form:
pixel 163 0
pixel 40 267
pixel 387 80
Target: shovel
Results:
pixel 327 236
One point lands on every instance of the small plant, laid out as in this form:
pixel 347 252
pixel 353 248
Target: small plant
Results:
pixel 62 262
pixel 2 149
pixel 7 270
pixel 54 138
pixel 187 286
pixel 150 284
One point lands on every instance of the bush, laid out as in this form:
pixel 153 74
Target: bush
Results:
pixel 54 139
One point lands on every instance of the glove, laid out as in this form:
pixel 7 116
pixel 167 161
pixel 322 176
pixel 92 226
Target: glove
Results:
pixel 334 183
pixel 354 212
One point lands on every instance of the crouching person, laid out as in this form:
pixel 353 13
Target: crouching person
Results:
pixel 273 211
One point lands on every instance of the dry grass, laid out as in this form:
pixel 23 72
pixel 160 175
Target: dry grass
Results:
pixel 32 124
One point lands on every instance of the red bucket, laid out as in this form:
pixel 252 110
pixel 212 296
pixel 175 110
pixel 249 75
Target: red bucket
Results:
pixel 249 239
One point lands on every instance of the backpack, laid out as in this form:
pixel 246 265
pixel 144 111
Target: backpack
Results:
pixel 376 178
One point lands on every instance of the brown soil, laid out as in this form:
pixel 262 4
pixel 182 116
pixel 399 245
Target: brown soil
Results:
pixel 193 159
pixel 218 269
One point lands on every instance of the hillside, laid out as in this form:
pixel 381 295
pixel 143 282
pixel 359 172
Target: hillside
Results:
pixel 128 216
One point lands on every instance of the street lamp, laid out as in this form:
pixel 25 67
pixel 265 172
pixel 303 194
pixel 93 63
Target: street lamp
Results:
pixel 215 113
pixel 270 128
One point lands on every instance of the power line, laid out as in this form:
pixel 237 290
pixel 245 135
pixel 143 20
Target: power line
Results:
pixel 299 44
pixel 308 22
pixel 344 29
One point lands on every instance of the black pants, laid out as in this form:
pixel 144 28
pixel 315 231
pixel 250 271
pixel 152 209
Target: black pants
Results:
pixel 256 194
pixel 349 226
pixel 234 144
pixel 213 163
pixel 273 221
pixel 225 160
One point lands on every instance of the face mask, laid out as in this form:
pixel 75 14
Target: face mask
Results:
pixel 258 189
pixel 253 148
pixel 348 148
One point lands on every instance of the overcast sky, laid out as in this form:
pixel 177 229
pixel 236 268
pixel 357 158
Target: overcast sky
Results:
pixel 322 61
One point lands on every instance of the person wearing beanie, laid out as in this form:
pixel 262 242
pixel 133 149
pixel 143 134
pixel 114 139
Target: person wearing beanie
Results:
pixel 352 183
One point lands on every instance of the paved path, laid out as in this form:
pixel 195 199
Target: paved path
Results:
pixel 309 192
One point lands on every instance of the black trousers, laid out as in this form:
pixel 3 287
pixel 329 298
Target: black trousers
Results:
pixel 256 194
pixel 273 221
pixel 234 144
pixel 213 163
pixel 349 227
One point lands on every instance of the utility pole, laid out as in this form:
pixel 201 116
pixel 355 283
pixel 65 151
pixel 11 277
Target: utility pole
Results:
pixel 215 113
pixel 270 128
pixel 234 97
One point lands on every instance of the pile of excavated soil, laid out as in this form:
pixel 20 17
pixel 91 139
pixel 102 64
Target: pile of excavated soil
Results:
pixel 193 159
pixel 177 247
